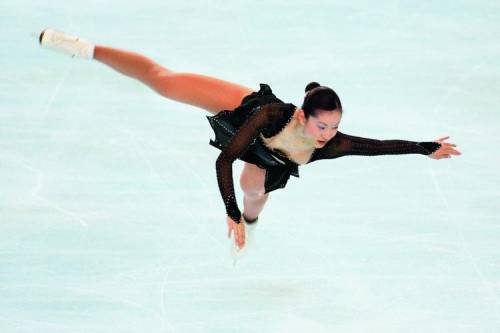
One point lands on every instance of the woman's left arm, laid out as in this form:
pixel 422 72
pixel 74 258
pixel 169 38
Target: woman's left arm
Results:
pixel 343 145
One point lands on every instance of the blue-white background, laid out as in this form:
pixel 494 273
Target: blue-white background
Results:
pixel 110 214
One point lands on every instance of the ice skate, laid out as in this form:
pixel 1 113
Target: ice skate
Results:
pixel 250 243
pixel 67 44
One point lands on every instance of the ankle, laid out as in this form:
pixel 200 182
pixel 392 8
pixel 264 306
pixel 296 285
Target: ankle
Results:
pixel 250 221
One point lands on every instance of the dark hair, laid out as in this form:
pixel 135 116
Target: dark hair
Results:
pixel 319 97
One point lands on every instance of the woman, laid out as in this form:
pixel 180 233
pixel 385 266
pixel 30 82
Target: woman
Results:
pixel 272 137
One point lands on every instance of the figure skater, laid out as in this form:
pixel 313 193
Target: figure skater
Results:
pixel 272 137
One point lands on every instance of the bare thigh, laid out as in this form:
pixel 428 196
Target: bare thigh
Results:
pixel 252 180
pixel 206 92
pixel 209 93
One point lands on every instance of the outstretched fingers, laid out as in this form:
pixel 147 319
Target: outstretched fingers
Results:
pixel 238 229
pixel 450 149
pixel 446 150
pixel 240 234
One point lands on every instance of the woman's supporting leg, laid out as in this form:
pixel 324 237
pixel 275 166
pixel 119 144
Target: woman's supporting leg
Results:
pixel 203 91
pixel 252 181
pixel 253 205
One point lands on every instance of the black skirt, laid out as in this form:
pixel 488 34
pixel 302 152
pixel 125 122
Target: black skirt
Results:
pixel 225 125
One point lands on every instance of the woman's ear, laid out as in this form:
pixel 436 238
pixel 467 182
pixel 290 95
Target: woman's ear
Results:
pixel 301 117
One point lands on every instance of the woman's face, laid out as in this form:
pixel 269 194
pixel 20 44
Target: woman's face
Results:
pixel 322 127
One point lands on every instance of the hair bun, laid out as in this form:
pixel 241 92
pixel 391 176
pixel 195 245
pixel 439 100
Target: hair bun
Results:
pixel 312 85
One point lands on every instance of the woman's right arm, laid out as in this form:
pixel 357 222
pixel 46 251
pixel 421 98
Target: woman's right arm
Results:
pixel 238 145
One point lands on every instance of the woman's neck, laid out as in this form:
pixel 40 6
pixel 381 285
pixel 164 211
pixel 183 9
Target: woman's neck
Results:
pixel 295 138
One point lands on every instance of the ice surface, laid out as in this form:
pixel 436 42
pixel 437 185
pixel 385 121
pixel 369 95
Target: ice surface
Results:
pixel 110 215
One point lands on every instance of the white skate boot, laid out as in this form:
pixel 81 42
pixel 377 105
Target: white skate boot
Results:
pixel 236 252
pixel 67 44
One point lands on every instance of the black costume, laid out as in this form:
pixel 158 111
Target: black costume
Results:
pixel 237 134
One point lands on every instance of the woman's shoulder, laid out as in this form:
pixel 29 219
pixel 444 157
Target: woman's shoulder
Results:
pixel 278 115
pixel 262 97
pixel 278 108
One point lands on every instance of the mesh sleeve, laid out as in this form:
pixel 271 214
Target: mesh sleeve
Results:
pixel 238 145
pixel 343 144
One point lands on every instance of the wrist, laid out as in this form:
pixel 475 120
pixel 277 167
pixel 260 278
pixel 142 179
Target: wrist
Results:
pixel 235 218
pixel 429 147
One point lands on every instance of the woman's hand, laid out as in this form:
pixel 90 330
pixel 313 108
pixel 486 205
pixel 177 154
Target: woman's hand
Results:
pixel 239 231
pixel 446 150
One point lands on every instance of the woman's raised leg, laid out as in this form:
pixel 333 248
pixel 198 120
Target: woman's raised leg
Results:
pixel 207 92
pixel 203 91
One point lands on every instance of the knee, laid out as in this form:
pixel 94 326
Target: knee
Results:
pixel 156 71
pixel 256 196
pixel 159 78
pixel 251 187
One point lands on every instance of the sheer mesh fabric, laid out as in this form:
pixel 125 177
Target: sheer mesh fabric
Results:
pixel 271 119
pixel 262 121
pixel 342 144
